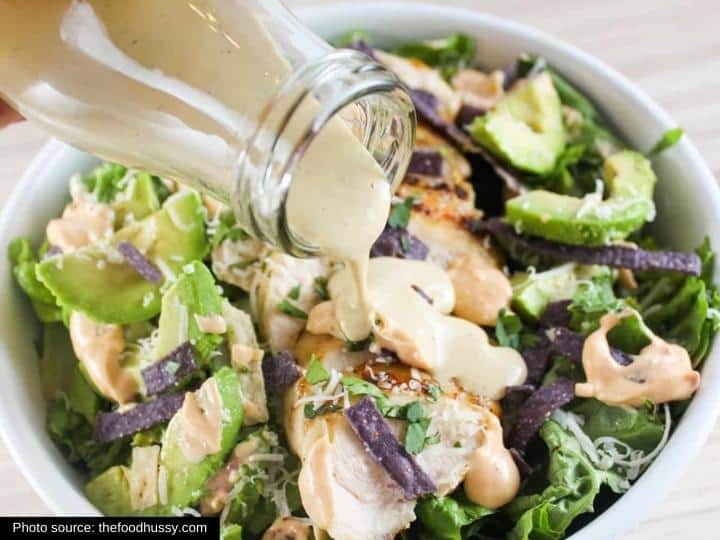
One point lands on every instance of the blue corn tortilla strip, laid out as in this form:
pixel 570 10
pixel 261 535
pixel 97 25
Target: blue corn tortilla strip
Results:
pixel 569 344
pixel 140 263
pixel 536 360
pixel 467 114
pixel 523 468
pixel 170 370
pixel 426 163
pixel 382 445
pixel 280 371
pixel 363 47
pixel 538 408
pixel 110 426
pixel 614 256
pixel 556 314
pixel 399 243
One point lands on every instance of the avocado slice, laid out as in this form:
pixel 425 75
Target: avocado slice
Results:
pixel 185 480
pixel 110 491
pixel 88 280
pixel 591 221
pixel 194 293
pixel 525 128
pixel 533 292
pixel 137 201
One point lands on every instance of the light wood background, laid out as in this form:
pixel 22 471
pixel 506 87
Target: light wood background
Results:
pixel 670 48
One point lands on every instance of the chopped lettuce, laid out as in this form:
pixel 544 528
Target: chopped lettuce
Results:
pixel 572 485
pixel 448 518
pixel 448 55
pixel 593 299
pixel 24 262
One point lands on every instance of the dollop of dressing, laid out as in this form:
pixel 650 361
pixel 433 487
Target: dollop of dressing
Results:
pixel 492 479
pixel 661 372
pixel 481 289
pixel 200 419
pixel 419 332
pixel 99 348
pixel 83 222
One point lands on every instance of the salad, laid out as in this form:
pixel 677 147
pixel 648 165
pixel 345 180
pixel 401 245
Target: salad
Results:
pixel 190 369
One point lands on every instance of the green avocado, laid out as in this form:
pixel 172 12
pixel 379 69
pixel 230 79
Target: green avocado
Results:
pixel 137 201
pixel 110 491
pixel 590 220
pixel 186 480
pixel 525 128
pixel 194 293
pixel 170 238
pixel 533 292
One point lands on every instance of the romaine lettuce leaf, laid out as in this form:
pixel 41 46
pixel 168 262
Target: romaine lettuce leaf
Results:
pixel 24 261
pixel 455 52
pixel 573 484
pixel 443 518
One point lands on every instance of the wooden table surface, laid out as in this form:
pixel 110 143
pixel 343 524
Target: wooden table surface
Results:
pixel 671 49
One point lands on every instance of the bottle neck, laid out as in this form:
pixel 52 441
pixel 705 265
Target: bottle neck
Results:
pixel 341 103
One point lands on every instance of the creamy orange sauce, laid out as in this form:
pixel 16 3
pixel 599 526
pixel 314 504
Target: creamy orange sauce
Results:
pixel 200 422
pixel 83 222
pixel 481 289
pixel 493 479
pixel 99 348
pixel 661 372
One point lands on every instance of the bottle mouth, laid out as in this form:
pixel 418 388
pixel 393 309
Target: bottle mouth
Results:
pixel 343 84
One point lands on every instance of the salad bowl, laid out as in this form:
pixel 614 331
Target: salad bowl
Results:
pixel 687 198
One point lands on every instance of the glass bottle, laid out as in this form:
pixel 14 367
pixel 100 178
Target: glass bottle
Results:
pixel 225 95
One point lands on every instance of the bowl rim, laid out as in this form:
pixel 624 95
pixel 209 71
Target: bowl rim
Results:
pixel 700 416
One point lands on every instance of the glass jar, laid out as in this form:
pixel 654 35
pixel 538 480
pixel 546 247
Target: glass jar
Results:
pixel 224 95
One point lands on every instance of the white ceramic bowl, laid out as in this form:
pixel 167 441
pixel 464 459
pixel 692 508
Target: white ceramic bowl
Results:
pixel 688 202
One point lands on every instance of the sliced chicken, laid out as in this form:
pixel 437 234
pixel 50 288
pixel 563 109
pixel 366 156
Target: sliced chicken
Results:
pixel 277 281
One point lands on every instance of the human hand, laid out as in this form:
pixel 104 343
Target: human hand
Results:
pixel 8 115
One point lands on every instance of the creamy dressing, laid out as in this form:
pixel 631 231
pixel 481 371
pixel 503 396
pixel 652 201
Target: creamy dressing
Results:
pixel 420 333
pixel 493 479
pixel 99 349
pixel 661 372
pixel 481 289
pixel 200 422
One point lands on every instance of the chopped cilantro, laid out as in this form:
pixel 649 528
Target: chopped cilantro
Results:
pixel 418 422
pixel 325 408
pixel 321 288
pixel 290 309
pixel 316 372
pixel 400 214
pixel 404 243
pixel 508 329
pixel 294 293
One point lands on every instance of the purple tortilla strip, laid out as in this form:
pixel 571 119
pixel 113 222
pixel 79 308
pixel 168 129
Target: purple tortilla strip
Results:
pixel 426 163
pixel 116 425
pixel 536 360
pixel 399 243
pixel 467 114
pixel 362 47
pixel 382 445
pixel 614 256
pixel 538 408
pixel 170 370
pixel 556 314
pixel 280 371
pixel 140 263
pixel 569 344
